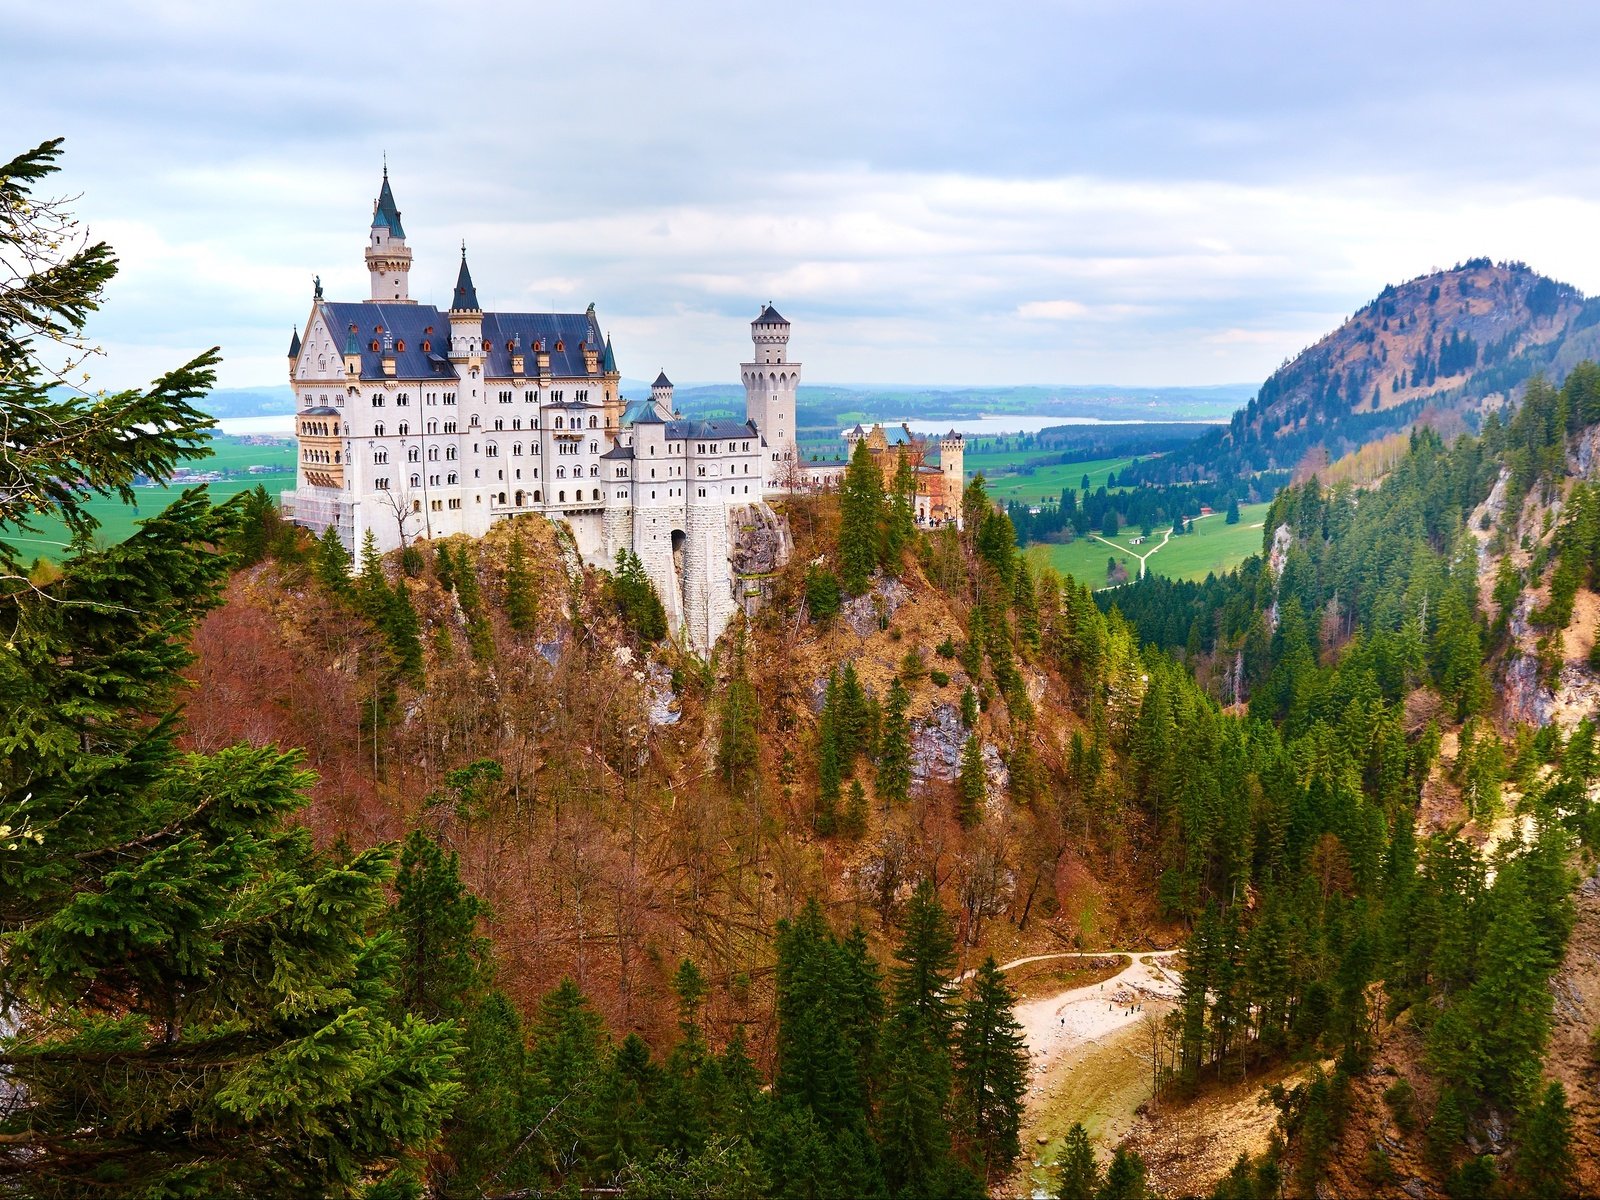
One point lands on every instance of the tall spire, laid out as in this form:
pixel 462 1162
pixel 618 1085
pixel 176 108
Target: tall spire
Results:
pixel 294 343
pixel 385 212
pixel 466 298
pixel 609 364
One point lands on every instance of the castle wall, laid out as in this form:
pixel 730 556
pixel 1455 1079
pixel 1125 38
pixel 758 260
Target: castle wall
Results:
pixel 707 578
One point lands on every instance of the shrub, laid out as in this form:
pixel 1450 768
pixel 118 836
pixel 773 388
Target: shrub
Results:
pixel 940 679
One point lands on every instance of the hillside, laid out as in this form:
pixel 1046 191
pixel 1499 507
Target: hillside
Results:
pixel 1446 347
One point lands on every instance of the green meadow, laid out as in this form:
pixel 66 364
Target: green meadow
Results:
pixel 118 520
pixel 1212 547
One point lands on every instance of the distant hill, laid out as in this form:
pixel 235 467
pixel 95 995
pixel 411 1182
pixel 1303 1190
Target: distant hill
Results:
pixel 249 402
pixel 1445 347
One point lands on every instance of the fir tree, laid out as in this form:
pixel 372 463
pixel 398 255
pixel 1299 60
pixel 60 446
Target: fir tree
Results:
pixel 522 603
pixel 894 749
pixel 333 562
pixel 853 821
pixel 1125 1177
pixel 1233 512
pixel 444 566
pixel 159 910
pixel 564 1074
pixel 738 747
pixel 1080 1174
pixel 972 787
pixel 443 961
pixel 1545 1166
pixel 992 1070
pixel 403 631
pixel 483 1135
pixel 860 514
pixel 900 519
pixel 372 585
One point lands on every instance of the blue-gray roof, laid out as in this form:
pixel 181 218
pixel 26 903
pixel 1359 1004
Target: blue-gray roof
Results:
pixel 409 323
pixel 386 213
pixel 769 316
pixel 294 343
pixel 569 330
pixel 609 363
pixel 618 450
pixel 662 381
pixel 466 297
pixel 723 428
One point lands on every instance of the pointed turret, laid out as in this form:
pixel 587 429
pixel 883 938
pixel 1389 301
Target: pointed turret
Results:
pixel 294 343
pixel 388 256
pixel 466 296
pixel 610 360
pixel 384 210
pixel 661 394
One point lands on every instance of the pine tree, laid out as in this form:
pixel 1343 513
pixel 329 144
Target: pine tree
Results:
pixel 914 1113
pixel 1233 512
pixel 853 820
pixel 372 585
pixel 738 744
pixel 1080 1174
pixel 972 787
pixel 565 1072
pixel 860 515
pixel 900 518
pixel 1125 1177
pixel 444 566
pixel 483 1135
pixel 969 708
pixel 894 749
pixel 1545 1165
pixel 333 562
pixel 522 603
pixel 992 1071
pixel 404 631
pixel 443 960
pixel 161 911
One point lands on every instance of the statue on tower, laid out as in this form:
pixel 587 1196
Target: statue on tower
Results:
pixel 316 293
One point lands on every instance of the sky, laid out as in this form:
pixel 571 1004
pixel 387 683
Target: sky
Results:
pixel 1124 192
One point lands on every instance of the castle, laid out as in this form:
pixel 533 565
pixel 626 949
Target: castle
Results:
pixel 935 490
pixel 415 422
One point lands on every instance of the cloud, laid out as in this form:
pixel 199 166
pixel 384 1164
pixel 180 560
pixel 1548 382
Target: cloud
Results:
pixel 1151 193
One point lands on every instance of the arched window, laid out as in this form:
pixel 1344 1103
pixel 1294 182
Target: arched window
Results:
pixel 377 430
pixel 537 495
pixel 516 449
pixel 563 497
pixel 597 493
pixel 492 450
pixel 561 472
pixel 592 424
pixel 405 428
pixel 452 478
pixel 433 454
pixel 450 453
pixel 416 480
pixel 414 454
pixel 558 422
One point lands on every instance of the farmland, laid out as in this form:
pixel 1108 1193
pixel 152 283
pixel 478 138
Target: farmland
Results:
pixel 230 455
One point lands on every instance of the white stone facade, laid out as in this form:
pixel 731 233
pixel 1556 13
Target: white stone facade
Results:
pixel 419 422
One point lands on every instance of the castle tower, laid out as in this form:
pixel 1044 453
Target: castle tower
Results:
pixel 952 453
pixel 388 256
pixel 769 387
pixel 612 389
pixel 466 318
pixel 661 395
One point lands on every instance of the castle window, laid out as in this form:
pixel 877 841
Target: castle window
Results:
pixel 414 455
pixel 558 422
pixel 563 497
pixel 433 454
pixel 538 496
pixel 382 483
pixel 402 400
pixel 437 506
pixel 450 453
pixel 561 472
pixel 702 472
pixel 405 428
pixel 516 422
pixel 527 397
pixel 473 423
pixel 449 426
pixel 416 480
pixel 377 399
pixel 377 430
pixel 593 422
pixel 380 456
pixel 702 493
pixel 455 502
pixel 492 450
pixel 597 493
pixel 452 478
pixel 433 481
pixel 516 449
pixel 449 397
pixel 499 423
pixel 594 470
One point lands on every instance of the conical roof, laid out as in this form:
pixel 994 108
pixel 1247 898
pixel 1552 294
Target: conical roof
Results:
pixel 386 213
pixel 609 363
pixel 769 316
pixel 662 381
pixel 466 296
pixel 294 343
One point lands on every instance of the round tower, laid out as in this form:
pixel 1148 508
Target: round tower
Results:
pixel 466 316
pixel 769 387
pixel 388 256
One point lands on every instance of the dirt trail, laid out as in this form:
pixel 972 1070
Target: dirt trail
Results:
pixel 1089 1055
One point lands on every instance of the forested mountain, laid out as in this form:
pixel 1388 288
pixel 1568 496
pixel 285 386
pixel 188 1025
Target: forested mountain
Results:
pixel 450 874
pixel 1451 344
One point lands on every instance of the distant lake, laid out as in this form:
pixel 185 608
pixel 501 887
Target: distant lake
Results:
pixel 1004 423
pixel 282 423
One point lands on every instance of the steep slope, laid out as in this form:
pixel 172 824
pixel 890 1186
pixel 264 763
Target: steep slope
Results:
pixel 1448 346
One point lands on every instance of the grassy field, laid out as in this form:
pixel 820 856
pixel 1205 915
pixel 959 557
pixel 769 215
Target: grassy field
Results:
pixel 1000 474
pixel 1212 548
pixel 117 520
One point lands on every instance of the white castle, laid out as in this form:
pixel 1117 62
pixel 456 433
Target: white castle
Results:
pixel 419 423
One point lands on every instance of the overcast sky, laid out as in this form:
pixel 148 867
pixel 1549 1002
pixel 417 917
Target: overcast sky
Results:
pixel 1119 192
